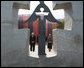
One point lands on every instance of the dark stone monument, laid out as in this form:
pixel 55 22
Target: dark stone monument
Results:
pixel 43 13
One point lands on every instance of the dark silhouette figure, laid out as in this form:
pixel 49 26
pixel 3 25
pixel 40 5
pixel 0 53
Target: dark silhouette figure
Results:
pixel 42 23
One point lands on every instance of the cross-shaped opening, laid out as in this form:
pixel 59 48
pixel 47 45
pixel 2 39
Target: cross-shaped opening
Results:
pixel 23 14
pixel 49 28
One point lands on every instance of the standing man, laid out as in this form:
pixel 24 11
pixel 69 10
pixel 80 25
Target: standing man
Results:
pixel 32 42
pixel 50 42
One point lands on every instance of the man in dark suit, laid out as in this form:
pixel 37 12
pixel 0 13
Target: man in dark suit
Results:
pixel 32 42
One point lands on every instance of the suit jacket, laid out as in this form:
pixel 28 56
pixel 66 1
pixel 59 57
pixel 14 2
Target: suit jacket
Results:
pixel 32 39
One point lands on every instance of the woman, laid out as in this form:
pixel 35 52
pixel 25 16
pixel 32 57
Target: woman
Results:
pixel 50 42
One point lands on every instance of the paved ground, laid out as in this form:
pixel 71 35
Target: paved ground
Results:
pixel 48 54
pixel 63 59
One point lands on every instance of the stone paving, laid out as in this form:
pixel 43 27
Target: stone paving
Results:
pixel 19 58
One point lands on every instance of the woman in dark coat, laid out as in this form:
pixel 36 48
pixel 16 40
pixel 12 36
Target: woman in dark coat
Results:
pixel 50 42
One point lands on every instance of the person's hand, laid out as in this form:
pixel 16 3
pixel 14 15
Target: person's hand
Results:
pixel 32 41
pixel 50 41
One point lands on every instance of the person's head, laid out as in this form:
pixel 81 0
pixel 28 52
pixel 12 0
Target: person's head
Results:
pixel 50 35
pixel 32 34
